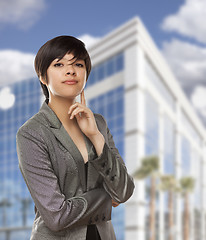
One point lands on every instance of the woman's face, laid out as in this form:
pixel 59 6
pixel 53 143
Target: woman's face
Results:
pixel 66 77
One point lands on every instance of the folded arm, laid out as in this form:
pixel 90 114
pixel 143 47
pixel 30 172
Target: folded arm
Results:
pixel 57 212
pixel 117 182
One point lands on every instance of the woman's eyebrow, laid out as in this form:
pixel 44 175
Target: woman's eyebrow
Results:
pixel 65 59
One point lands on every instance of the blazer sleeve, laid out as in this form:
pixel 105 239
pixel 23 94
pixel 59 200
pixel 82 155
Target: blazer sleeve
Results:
pixel 117 182
pixel 57 212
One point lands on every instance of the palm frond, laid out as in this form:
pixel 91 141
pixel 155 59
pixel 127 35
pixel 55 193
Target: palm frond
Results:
pixel 142 173
pixel 149 166
pixel 187 184
pixel 151 161
pixel 168 183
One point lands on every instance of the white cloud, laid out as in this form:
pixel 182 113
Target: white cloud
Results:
pixel 22 13
pixel 7 98
pixel 189 20
pixel 198 100
pixel 15 66
pixel 89 40
pixel 187 61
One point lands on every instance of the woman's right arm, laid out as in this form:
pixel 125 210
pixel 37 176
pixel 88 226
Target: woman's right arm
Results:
pixel 57 212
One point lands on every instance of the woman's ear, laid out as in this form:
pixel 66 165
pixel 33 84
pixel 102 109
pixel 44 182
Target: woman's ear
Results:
pixel 43 81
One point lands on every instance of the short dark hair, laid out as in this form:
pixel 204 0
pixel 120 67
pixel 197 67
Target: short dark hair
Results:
pixel 57 48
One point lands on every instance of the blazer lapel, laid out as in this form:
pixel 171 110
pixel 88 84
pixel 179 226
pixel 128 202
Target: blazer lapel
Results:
pixel 63 137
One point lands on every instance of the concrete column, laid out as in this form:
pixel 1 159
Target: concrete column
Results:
pixel 161 156
pixel 134 139
pixel 193 173
pixel 203 191
pixel 178 200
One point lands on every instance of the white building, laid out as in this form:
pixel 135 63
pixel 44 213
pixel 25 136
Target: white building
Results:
pixel 153 116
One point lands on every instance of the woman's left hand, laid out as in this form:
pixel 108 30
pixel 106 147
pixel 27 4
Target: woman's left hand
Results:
pixel 86 121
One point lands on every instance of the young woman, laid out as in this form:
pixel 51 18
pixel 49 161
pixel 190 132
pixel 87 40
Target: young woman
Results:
pixel 66 153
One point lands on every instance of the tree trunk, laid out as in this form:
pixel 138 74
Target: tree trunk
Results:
pixel 170 217
pixel 186 218
pixel 152 209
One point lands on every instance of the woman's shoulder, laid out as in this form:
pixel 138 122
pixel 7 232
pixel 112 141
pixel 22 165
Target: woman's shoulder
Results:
pixel 34 123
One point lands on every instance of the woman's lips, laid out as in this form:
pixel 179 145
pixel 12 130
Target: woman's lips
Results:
pixel 70 82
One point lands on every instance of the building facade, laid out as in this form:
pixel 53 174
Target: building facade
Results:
pixel 156 119
pixel 16 206
pixel 147 113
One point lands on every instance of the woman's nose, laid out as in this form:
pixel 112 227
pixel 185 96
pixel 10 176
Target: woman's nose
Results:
pixel 70 71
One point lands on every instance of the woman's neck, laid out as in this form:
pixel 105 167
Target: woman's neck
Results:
pixel 61 107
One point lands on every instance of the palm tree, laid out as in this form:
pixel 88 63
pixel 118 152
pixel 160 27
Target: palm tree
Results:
pixel 5 203
pixel 187 185
pixel 150 168
pixel 169 184
pixel 25 204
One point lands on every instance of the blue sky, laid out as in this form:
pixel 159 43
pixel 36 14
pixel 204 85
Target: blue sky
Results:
pixel 76 18
pixel 176 26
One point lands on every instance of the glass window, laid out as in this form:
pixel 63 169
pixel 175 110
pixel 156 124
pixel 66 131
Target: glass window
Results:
pixel 110 109
pixel 91 78
pixel 154 77
pixel 110 67
pixel 117 221
pixel 20 235
pixel 119 62
pixel 197 195
pixel 12 186
pixel 186 157
pixel 100 72
pixel 169 146
pixel 119 122
pixel 151 125
pixel 190 128
pixel 30 86
pixel 151 147
pixel 106 69
pixel 119 105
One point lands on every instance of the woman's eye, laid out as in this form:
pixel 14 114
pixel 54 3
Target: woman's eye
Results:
pixel 58 65
pixel 79 65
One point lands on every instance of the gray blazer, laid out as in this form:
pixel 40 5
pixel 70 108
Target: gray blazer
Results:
pixel 54 171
